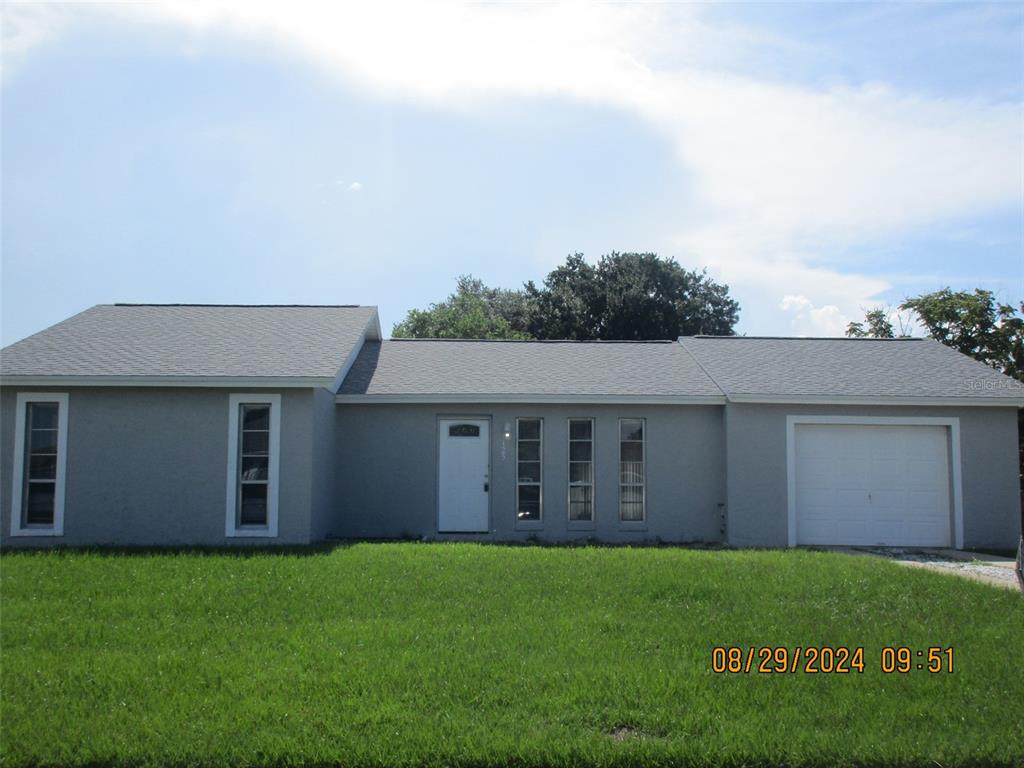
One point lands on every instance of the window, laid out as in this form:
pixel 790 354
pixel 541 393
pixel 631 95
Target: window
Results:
pixel 529 458
pixel 41 428
pixel 581 470
pixel 464 430
pixel 253 459
pixel 631 470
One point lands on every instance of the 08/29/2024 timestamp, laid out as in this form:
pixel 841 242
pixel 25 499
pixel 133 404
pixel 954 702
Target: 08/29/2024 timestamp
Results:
pixel 828 660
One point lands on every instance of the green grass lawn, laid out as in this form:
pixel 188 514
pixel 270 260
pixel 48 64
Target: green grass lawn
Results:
pixel 459 654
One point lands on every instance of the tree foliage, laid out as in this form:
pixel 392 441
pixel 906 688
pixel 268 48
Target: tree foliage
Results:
pixel 629 296
pixel 876 325
pixel 972 322
pixel 472 312
pixel 975 324
pixel 624 296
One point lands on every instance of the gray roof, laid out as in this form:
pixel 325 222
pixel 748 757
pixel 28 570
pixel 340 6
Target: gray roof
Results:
pixel 191 340
pixel 529 368
pixel 835 367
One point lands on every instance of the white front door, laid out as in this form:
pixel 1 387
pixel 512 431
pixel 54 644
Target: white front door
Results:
pixel 463 475
pixel 871 484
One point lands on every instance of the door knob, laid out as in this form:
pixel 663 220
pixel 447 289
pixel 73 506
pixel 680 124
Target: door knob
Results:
pixel 487 487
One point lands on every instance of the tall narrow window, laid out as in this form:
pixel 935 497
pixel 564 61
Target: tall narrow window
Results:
pixel 529 458
pixel 41 439
pixel 254 469
pixel 581 470
pixel 631 470
pixel 253 465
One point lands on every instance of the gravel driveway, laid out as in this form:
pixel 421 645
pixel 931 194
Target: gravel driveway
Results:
pixel 987 568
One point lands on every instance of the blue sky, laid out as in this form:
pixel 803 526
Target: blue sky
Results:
pixel 821 159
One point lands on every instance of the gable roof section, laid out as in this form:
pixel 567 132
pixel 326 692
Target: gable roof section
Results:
pixel 836 370
pixel 194 345
pixel 408 370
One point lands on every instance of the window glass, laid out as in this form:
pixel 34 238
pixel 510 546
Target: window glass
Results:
pixel 39 502
pixel 464 430
pixel 529 429
pixel 43 441
pixel 39 492
pixel 43 467
pixel 580 429
pixel 255 443
pixel 256 417
pixel 529 461
pixel 631 429
pixel 253 507
pixel 529 450
pixel 579 450
pixel 529 471
pixel 253 465
pixel 581 470
pixel 631 470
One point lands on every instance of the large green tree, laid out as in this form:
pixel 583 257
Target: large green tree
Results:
pixel 623 296
pixel 972 322
pixel 472 312
pixel 976 324
pixel 563 308
pixel 630 296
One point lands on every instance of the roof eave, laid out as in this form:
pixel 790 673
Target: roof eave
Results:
pixel 431 398
pixel 233 382
pixel 958 401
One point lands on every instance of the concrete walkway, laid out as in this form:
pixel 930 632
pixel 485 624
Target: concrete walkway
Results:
pixel 990 569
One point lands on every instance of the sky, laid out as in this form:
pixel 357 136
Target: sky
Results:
pixel 821 159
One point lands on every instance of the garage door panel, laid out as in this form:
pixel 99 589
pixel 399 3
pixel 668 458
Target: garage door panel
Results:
pixel 819 473
pixel 920 475
pixel 928 534
pixel 853 471
pixel 887 473
pixel 883 530
pixel 849 498
pixel 887 501
pixel 864 484
pixel 924 502
pixel 816 499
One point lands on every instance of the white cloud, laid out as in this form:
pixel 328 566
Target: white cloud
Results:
pixel 782 173
pixel 809 320
pixel 24 26
pixel 355 186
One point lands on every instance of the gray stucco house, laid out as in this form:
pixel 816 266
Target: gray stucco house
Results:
pixel 220 425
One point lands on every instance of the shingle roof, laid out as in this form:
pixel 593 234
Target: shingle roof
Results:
pixel 513 368
pixel 190 340
pixel 193 342
pixel 834 367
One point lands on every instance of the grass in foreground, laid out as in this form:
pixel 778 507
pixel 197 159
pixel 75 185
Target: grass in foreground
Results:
pixel 459 654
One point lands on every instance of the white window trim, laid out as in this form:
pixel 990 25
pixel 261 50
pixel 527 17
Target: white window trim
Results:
pixel 539 522
pixel 643 499
pixel 952 422
pixel 18 471
pixel 235 401
pixel 593 472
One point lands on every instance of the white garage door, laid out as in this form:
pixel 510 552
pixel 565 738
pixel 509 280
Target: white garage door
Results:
pixel 865 484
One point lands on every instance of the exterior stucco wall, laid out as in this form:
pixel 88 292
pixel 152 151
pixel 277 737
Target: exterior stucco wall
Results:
pixel 386 472
pixel 323 441
pixel 148 466
pixel 756 473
